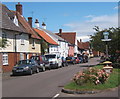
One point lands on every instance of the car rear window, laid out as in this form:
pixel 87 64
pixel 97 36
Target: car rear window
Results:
pixel 50 56
pixel 24 62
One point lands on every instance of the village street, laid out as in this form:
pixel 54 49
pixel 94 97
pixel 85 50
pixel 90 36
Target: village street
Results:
pixel 47 84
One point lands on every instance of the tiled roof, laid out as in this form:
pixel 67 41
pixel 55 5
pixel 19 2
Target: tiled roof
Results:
pixel 86 45
pixel 80 44
pixel 45 37
pixel 68 36
pixel 26 26
pixel 83 45
pixel 52 34
pixel 7 20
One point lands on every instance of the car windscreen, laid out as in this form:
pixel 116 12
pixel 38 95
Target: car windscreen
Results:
pixel 50 56
pixel 35 57
pixel 24 62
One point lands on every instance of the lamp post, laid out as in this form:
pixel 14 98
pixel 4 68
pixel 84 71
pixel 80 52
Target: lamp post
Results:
pixel 106 34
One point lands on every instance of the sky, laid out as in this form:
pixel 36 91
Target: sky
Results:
pixel 79 17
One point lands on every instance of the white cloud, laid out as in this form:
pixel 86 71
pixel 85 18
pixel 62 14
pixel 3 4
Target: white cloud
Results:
pixel 85 28
pixel 89 16
pixel 84 38
pixel 115 7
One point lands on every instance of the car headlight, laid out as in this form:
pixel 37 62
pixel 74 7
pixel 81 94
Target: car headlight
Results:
pixel 14 68
pixel 54 62
pixel 26 67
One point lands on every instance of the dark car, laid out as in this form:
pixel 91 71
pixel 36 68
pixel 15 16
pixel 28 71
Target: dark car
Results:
pixel 70 60
pixel 28 66
pixel 81 59
pixel 64 62
pixel 42 61
pixel 85 58
pixel 77 60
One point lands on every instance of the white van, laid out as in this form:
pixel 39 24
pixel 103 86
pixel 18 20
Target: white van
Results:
pixel 54 60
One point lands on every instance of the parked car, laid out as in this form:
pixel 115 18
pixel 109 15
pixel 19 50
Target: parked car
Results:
pixel 81 59
pixel 64 62
pixel 42 61
pixel 54 60
pixel 70 60
pixel 28 66
pixel 77 60
pixel 85 58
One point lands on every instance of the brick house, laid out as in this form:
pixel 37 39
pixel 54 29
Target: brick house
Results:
pixel 18 37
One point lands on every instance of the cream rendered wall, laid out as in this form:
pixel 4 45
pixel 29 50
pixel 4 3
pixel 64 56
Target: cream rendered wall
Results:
pixel 22 47
pixel 36 48
pixel 10 43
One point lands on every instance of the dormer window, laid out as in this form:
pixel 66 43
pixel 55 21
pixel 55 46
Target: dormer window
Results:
pixel 15 21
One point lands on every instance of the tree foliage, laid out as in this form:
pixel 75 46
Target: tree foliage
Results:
pixel 44 47
pixel 99 45
pixel 3 43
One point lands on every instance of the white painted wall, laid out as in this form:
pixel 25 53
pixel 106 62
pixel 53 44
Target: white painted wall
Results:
pixel 76 47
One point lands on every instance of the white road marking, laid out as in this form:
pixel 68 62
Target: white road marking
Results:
pixel 56 96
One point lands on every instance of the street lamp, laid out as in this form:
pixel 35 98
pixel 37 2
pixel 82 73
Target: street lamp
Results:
pixel 106 39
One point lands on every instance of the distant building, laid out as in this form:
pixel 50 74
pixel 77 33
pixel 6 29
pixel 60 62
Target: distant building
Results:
pixel 57 45
pixel 70 37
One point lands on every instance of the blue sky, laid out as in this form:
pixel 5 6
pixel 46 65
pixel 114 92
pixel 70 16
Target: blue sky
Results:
pixel 80 17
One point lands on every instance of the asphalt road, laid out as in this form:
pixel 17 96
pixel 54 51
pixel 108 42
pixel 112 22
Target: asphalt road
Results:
pixel 43 84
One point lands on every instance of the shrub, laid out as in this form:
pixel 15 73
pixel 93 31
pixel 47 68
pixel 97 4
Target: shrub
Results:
pixel 91 75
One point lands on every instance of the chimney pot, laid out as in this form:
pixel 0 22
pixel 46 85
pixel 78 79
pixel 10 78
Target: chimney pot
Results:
pixel 30 21
pixel 44 25
pixel 19 8
pixel 60 30
pixel 80 40
pixel 37 23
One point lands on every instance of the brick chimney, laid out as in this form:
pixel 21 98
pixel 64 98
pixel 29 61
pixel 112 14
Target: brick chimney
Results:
pixel 43 25
pixel 37 25
pixel 19 8
pixel 30 21
pixel 60 32
pixel 80 40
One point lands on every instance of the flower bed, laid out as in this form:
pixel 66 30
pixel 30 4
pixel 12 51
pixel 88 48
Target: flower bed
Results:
pixel 88 84
pixel 91 75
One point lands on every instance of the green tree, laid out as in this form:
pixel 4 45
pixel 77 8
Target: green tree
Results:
pixel 99 45
pixel 3 43
pixel 44 47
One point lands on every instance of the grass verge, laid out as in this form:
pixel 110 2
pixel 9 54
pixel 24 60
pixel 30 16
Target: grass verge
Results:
pixel 112 82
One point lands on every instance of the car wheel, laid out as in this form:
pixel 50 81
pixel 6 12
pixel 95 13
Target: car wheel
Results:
pixel 31 72
pixel 43 69
pixel 66 64
pixel 49 68
pixel 37 71
pixel 63 64
pixel 57 66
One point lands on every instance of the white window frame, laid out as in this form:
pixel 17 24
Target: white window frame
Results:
pixel 22 40
pixel 21 56
pixel 5 58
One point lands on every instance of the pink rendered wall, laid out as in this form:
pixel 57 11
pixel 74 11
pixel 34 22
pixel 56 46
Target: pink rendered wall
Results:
pixel 71 51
